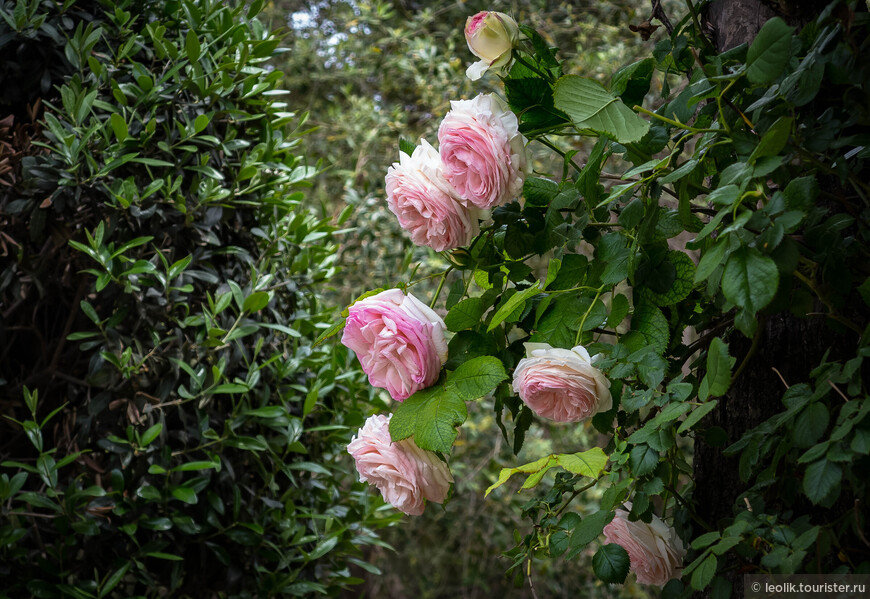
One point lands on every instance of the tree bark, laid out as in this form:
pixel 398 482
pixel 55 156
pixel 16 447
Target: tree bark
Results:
pixel 787 347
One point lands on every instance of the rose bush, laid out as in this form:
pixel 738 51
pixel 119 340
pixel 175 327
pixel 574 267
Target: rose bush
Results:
pixel 425 203
pixel 655 550
pixel 716 231
pixel 482 151
pixel 406 475
pixel 561 384
pixel 398 340
pixel 491 36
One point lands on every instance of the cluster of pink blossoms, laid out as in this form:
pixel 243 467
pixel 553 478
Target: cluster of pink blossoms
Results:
pixel 481 164
pixel 438 196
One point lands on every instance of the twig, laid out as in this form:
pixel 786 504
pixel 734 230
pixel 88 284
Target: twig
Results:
pixel 858 524
pixel 659 13
pixel 529 576
pixel 752 349
pixel 835 388
pixel 779 374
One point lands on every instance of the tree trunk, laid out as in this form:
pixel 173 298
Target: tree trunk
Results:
pixel 786 347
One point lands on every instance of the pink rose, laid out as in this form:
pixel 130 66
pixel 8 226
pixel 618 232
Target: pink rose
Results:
pixel 405 475
pixel 655 550
pixel 482 150
pixel 426 204
pixel 561 384
pixel 491 36
pixel 399 341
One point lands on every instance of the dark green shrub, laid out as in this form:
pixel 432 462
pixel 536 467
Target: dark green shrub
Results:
pixel 170 429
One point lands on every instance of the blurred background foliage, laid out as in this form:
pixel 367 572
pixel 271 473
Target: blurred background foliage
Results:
pixel 370 72
pixel 167 427
pixel 367 73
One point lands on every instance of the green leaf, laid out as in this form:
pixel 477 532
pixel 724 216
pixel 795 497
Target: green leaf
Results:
pixel 643 459
pixel 810 425
pixel 406 146
pixel 591 106
pixel 323 548
pixel 185 494
pixel 196 466
pixel 201 122
pixel 589 529
pixel 192 46
pixel 465 314
pixel 89 311
pixel 539 192
pixel 750 279
pixel 821 479
pixel 712 259
pixel 149 435
pixel 268 412
pixel 682 285
pixel 558 326
pixel 161 555
pixel 475 378
pixel 619 307
pixel 114 579
pixel 330 332
pixel 717 380
pixel 774 139
pixel 801 193
pixel 705 539
pixel 586 463
pixel 769 52
pixel 632 82
pixel 610 563
pixel 704 573
pixel 430 416
pixel 542 464
pixel 511 304
pixel 553 268
pixel 696 416
pixel 119 126
pixel 648 327
pixel 256 302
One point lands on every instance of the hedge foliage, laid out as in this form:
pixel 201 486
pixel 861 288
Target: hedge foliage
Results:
pixel 169 428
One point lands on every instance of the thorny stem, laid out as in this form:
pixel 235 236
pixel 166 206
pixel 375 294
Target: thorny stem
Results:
pixel 719 99
pixel 586 315
pixel 689 508
pixel 575 493
pixel 518 57
pixel 553 147
pixel 831 312
pixel 752 349
pixel 440 287
pixel 674 123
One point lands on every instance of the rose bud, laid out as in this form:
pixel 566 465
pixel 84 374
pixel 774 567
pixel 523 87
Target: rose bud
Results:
pixel 491 36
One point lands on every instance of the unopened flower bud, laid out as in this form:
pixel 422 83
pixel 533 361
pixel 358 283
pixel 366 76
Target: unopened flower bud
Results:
pixel 491 36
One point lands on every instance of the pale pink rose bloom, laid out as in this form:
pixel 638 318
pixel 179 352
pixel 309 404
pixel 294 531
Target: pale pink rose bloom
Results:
pixel 561 384
pixel 426 204
pixel 655 550
pixel 482 151
pixel 399 341
pixel 405 475
pixel 491 36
